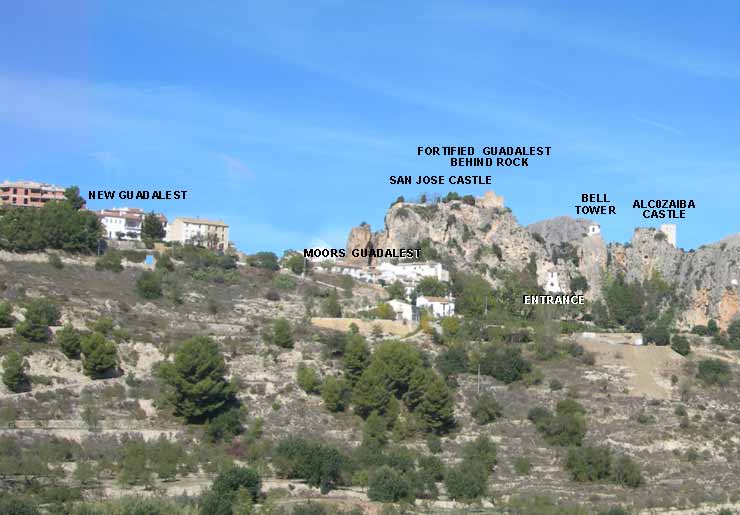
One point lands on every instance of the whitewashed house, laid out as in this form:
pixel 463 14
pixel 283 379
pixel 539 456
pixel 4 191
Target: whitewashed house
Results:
pixel 553 283
pixel 404 311
pixel 439 306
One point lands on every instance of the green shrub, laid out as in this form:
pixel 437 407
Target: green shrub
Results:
pixel 11 505
pixel 6 315
pixel 283 282
pixel 567 427
pixel 482 450
pixel 335 393
pixel 387 485
pixel 453 361
pixel 309 508
pixel 164 263
pixel 657 334
pixel 69 340
pixel 55 261
pixel 589 463
pixel 714 371
pixel 232 479
pixel 504 363
pixel 14 372
pixel 522 466
pixel 626 472
pixel 110 261
pixel 149 285
pixel 486 409
pixel 308 379
pixel 100 357
pixel 319 465
pixel 225 426
pixel 40 314
pixel 282 334
pixel 700 330
pixel 133 256
pixel 466 482
pixel 681 345
pixel 266 260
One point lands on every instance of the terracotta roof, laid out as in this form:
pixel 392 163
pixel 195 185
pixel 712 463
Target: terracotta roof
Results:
pixel 441 300
pixel 201 221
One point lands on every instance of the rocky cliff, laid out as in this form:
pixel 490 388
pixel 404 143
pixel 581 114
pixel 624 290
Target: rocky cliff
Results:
pixel 481 235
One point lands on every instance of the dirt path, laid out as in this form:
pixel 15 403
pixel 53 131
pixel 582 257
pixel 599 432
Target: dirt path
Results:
pixel 647 368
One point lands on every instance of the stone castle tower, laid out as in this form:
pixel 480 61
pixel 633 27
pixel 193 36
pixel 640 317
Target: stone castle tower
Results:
pixel 670 231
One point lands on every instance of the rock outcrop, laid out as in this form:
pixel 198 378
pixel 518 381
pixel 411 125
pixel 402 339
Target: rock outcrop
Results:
pixel 481 235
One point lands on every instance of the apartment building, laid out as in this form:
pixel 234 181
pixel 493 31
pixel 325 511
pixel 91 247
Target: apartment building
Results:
pixel 213 234
pixel 124 223
pixel 29 193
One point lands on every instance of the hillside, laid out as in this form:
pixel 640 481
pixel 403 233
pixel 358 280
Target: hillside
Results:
pixel 650 405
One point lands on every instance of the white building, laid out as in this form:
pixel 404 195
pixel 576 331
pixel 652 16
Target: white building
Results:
pixel 412 272
pixel 360 273
pixel 124 223
pixel 403 310
pixel 439 306
pixel 553 283
pixel 594 229
pixel 670 231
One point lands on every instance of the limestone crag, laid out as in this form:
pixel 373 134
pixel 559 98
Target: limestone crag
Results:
pixel 481 235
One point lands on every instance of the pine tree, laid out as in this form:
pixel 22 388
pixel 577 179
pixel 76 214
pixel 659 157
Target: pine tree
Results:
pixel 100 355
pixel 152 228
pixel 356 357
pixel 282 334
pixel 331 305
pixel 436 409
pixel 372 392
pixel 68 339
pixel 197 377
pixel 14 372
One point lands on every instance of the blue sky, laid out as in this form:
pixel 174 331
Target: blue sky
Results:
pixel 285 119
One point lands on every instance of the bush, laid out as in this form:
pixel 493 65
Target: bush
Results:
pixel 319 465
pixel 566 428
pixel 164 264
pixel 504 363
pixel 522 466
pixel 200 390
pixel 224 426
pixel 40 314
pixel 657 334
pixel 466 481
pixel 14 372
pixel 149 285
pixel 6 315
pixel 626 472
pixel 681 345
pixel 308 379
pixel 69 340
pixel 481 450
pixel 11 505
pixel 335 394
pixel 231 480
pixel 331 307
pixel 453 361
pixel 282 334
pixel 110 261
pixel 387 485
pixel 55 261
pixel 486 409
pixel 589 463
pixel 714 371
pixel 700 330
pixel 266 260
pixel 597 464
